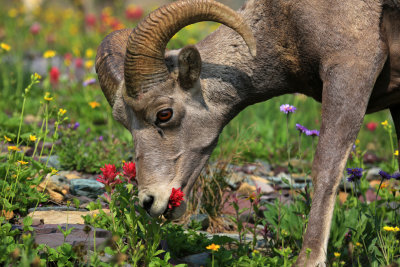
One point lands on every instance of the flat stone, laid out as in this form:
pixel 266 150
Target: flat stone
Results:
pixel 87 187
pixel 60 217
pixel 81 235
pixel 196 260
pixel 263 185
pixel 56 208
pixel 70 175
pixel 246 189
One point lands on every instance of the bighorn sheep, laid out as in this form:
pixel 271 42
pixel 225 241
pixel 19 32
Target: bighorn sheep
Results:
pixel 176 103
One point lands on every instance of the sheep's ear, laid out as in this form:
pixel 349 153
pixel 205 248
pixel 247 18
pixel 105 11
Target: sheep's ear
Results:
pixel 189 65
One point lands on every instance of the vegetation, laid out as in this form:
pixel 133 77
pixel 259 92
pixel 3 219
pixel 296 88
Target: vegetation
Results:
pixel 52 105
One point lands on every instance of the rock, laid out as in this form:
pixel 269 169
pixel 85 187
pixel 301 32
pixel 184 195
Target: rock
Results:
pixel 60 217
pixel 56 186
pixel 263 168
pixel 370 158
pixel 56 208
pixel 87 187
pixel 53 161
pixel 197 260
pixel 246 189
pixel 81 235
pixel 72 175
pixel 203 219
pixel 373 174
pixel 262 184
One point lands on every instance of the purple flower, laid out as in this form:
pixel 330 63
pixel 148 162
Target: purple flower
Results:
pixel 301 128
pixel 100 138
pixel 355 174
pixel 286 108
pixel 89 82
pixel 384 175
pixel 76 125
pixel 312 133
pixel 396 176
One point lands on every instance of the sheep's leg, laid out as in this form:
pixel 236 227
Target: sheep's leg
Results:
pixel 346 91
pixel 395 111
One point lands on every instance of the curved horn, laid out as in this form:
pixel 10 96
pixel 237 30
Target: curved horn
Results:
pixel 109 63
pixel 144 61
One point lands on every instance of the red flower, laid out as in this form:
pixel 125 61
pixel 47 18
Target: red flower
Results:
pixel 35 28
pixel 90 20
pixel 133 13
pixel 78 63
pixel 175 198
pixel 109 174
pixel 372 126
pixel 54 75
pixel 129 171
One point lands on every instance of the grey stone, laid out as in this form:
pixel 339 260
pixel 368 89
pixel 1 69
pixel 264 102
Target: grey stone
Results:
pixel 373 174
pixel 87 187
pixel 196 260
pixel 264 168
pixel 53 161
pixel 203 219
pixel 263 185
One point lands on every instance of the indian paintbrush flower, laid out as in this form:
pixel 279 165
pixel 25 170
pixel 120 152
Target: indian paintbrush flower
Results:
pixel 54 75
pixel 109 173
pixel 355 174
pixel 175 198
pixel 371 126
pixel 286 108
pixel 35 28
pixel 129 169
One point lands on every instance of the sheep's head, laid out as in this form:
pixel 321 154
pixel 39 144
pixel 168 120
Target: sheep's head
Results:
pixel 158 97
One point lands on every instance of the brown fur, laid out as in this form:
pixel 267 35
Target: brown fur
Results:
pixel 343 53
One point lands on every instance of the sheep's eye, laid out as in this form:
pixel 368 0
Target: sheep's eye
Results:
pixel 164 115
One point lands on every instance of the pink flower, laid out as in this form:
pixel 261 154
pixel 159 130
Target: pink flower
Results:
pixel 133 13
pixel 372 126
pixel 35 28
pixel 90 20
pixel 78 63
pixel 175 198
pixel 109 175
pixel 129 171
pixel 54 75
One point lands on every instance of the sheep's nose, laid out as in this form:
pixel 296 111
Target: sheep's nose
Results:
pixel 147 203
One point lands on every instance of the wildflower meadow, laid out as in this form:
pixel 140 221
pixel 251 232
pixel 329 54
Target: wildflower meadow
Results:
pixel 69 195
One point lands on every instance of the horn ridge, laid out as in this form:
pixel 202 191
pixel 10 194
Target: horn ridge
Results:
pixel 144 58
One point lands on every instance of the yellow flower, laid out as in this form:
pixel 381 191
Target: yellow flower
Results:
pixel 5 46
pixel 89 64
pixel 22 162
pixel 396 229
pixel 396 153
pixel 384 123
pixel 389 228
pixel 94 104
pixel 94 215
pixel 191 41
pixel 37 76
pixel 256 251
pixel 7 138
pixel 337 254
pixel 12 13
pixel 358 244
pixel 47 97
pixel 213 247
pixel 32 138
pixel 62 111
pixel 53 171
pixel 49 54
pixel 13 148
pixel 357 141
pixel 89 53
